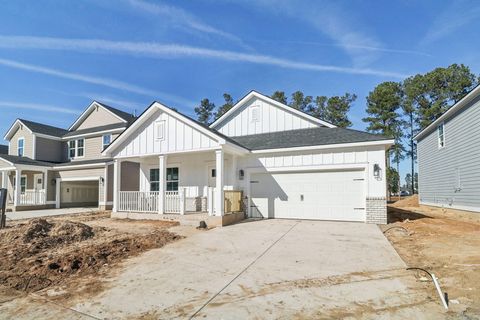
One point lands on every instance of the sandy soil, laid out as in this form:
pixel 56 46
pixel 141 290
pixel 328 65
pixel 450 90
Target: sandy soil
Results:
pixel 445 242
pixel 72 256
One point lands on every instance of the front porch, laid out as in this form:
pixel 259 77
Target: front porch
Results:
pixel 175 185
pixel 27 188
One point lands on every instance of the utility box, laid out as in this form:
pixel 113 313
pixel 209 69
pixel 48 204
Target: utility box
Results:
pixel 3 207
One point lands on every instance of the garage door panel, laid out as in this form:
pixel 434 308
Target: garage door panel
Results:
pixel 79 193
pixel 328 195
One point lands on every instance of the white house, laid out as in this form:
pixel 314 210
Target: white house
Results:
pixel 287 163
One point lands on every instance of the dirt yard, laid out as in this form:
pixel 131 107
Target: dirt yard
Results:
pixel 72 256
pixel 445 242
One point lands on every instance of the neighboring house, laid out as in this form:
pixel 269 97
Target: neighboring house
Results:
pixel 48 167
pixel 448 157
pixel 287 163
pixel 3 149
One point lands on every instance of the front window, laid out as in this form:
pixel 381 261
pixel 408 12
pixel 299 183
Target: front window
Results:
pixel 107 139
pixel 20 147
pixel 441 136
pixel 23 183
pixel 76 148
pixel 154 180
pixel 172 179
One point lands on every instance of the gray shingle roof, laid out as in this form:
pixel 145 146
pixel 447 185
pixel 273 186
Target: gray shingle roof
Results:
pixel 3 149
pixel 24 160
pixel 43 128
pixel 305 137
pixel 95 129
pixel 122 114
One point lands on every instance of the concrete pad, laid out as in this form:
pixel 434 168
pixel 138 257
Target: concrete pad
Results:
pixel 46 213
pixel 268 269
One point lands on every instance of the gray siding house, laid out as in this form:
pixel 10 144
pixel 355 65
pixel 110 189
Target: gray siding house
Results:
pixel 449 157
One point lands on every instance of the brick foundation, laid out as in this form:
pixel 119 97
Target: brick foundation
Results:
pixel 377 210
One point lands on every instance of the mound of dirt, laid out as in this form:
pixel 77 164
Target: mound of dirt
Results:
pixel 411 201
pixel 41 253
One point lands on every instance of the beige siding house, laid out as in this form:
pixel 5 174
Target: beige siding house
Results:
pixel 47 167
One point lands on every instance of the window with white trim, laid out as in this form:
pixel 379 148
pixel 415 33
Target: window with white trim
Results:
pixel 160 130
pixel 441 135
pixel 154 179
pixel 76 148
pixel 20 146
pixel 23 183
pixel 106 140
pixel 172 179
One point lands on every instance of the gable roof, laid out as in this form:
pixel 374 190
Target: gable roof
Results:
pixel 475 92
pixel 35 127
pixel 283 106
pixel 3 149
pixel 157 105
pixel 306 138
pixel 119 114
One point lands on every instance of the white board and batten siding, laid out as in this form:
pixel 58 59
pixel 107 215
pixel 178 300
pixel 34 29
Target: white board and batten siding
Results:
pixel 178 136
pixel 258 116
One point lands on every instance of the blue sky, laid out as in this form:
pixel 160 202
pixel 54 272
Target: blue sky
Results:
pixel 56 56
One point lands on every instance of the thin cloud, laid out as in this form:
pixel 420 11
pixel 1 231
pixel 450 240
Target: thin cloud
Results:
pixel 111 83
pixel 37 106
pixel 182 18
pixel 157 50
pixel 368 48
pixel 455 17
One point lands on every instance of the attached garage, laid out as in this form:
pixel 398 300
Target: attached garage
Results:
pixel 317 195
pixel 79 194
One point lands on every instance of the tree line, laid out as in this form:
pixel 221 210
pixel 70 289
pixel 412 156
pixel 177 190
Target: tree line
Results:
pixel 399 110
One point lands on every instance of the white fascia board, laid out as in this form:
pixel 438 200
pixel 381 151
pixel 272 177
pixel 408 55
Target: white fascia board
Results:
pixel 149 112
pixel 32 167
pixel 345 166
pixel 46 136
pixel 8 169
pixel 85 113
pixel 13 127
pixel 274 102
pixel 81 166
pixel 460 104
pixel 84 135
pixel 329 146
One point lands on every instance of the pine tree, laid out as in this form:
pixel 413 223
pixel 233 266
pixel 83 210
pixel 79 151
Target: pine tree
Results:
pixel 334 109
pixel 280 97
pixel 225 107
pixel 205 111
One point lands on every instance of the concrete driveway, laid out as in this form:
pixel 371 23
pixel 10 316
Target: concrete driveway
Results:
pixel 268 269
pixel 46 213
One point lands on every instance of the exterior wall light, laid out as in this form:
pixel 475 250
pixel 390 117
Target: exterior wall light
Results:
pixel 376 170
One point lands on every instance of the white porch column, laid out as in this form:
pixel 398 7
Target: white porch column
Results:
pixel 45 185
pixel 4 179
pixel 162 185
pixel 105 186
pixel 219 197
pixel 18 188
pixel 117 174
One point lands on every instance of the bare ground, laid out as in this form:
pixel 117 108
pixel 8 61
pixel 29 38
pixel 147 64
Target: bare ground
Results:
pixel 445 242
pixel 72 256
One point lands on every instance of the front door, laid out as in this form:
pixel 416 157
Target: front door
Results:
pixel 38 181
pixel 212 176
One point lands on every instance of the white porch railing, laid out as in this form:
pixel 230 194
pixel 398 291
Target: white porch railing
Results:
pixel 138 201
pixel 172 202
pixel 32 198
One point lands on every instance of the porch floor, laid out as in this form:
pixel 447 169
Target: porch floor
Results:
pixel 189 218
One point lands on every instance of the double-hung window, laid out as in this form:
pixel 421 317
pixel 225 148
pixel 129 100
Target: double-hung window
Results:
pixel 106 140
pixel 20 147
pixel 76 148
pixel 172 179
pixel 441 135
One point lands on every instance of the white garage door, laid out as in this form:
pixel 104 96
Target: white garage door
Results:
pixel 79 194
pixel 327 195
